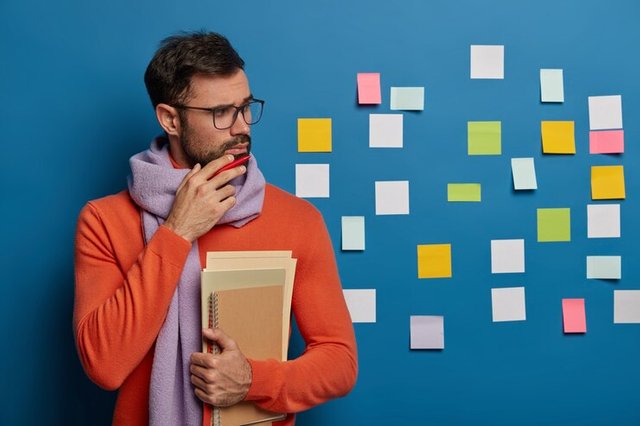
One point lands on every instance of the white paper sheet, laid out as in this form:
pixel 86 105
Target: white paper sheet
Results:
pixel 487 62
pixel 605 112
pixel 508 304
pixel 427 332
pixel 385 130
pixel 524 173
pixel 626 306
pixel 604 267
pixel 407 98
pixel 392 197
pixel 603 220
pixel 551 85
pixel 507 256
pixel 353 233
pixel 312 180
pixel 361 304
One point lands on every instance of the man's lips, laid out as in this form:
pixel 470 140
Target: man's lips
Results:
pixel 241 148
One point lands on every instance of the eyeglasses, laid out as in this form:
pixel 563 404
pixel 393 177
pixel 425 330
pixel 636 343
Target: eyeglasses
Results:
pixel 224 117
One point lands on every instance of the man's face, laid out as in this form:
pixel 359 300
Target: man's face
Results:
pixel 200 141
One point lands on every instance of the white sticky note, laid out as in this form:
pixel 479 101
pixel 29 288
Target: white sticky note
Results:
pixel 626 306
pixel 487 62
pixel 605 112
pixel 603 220
pixel 507 256
pixel 312 180
pixel 427 332
pixel 604 267
pixel 551 85
pixel 407 98
pixel 508 304
pixel 352 232
pixel 385 130
pixel 524 173
pixel 392 197
pixel 361 304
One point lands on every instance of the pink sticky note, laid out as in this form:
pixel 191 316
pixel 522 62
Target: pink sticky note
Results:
pixel 369 88
pixel 606 142
pixel 574 318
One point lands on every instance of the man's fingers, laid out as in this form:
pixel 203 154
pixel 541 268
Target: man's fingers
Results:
pixel 192 172
pixel 217 335
pixel 210 169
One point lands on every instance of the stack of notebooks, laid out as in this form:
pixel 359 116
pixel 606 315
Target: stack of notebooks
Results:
pixel 248 294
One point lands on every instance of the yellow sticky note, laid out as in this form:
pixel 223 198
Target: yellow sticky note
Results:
pixel 434 261
pixel 314 135
pixel 607 183
pixel 558 137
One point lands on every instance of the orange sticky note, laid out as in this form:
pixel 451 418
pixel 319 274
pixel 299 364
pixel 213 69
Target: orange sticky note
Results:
pixel 434 261
pixel 369 89
pixel 574 318
pixel 558 137
pixel 606 142
pixel 607 183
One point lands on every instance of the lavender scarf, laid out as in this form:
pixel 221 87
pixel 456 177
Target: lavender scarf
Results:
pixel 152 184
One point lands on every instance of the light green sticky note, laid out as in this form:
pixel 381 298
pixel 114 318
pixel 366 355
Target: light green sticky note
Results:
pixel 604 267
pixel 551 85
pixel 524 173
pixel 407 98
pixel 484 137
pixel 463 192
pixel 352 232
pixel 554 225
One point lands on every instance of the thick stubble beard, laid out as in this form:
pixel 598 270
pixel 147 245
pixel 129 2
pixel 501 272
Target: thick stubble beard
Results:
pixel 195 156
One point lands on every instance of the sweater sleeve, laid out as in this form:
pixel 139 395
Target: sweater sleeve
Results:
pixel 328 367
pixel 121 303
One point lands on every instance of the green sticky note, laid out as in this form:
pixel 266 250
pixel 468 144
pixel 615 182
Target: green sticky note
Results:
pixel 554 225
pixel 463 192
pixel 484 137
pixel 604 267
pixel 407 98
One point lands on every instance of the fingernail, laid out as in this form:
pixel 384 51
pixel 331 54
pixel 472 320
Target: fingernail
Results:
pixel 243 169
pixel 230 157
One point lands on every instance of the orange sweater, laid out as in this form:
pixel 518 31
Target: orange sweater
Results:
pixel 123 292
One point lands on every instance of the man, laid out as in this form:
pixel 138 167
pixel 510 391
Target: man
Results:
pixel 139 254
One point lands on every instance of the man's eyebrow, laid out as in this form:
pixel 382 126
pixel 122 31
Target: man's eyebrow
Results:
pixel 245 100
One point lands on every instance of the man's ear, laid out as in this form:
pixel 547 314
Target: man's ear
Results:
pixel 168 118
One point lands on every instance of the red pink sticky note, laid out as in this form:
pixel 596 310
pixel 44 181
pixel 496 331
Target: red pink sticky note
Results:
pixel 606 142
pixel 369 88
pixel 573 314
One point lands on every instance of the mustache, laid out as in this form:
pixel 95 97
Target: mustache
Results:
pixel 235 141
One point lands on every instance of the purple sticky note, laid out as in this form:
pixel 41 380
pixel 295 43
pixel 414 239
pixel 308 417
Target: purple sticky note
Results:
pixel 427 332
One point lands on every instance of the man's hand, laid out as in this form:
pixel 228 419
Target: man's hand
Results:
pixel 202 199
pixel 222 379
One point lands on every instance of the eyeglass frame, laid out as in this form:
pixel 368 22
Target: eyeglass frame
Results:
pixel 238 109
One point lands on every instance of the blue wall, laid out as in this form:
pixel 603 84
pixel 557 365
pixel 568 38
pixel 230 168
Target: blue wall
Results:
pixel 73 109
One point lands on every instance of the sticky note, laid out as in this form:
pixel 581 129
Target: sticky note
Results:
pixel 312 180
pixel 434 261
pixel 484 137
pixel 392 197
pixel 554 225
pixel 551 85
pixel 463 192
pixel 407 98
pixel 605 112
pixel 427 332
pixel 524 174
pixel 626 306
pixel 361 304
pixel 507 256
pixel 314 135
pixel 604 267
pixel 606 142
pixel 607 183
pixel 508 304
pixel 603 220
pixel 369 89
pixel 352 232
pixel 385 130
pixel 558 137
pixel 574 319
pixel 487 61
